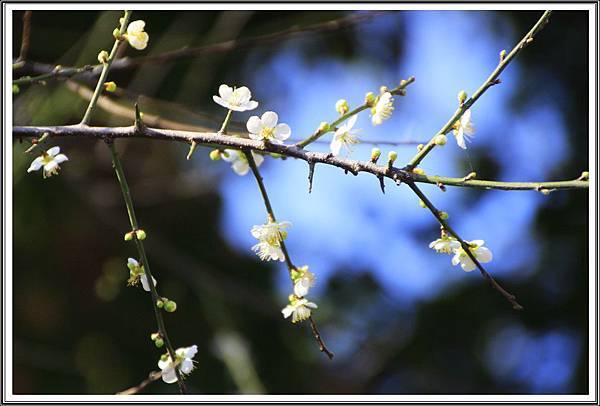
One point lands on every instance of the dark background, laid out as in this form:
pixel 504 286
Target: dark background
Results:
pixel 79 329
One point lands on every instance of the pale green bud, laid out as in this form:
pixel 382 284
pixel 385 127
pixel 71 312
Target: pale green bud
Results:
pixel 422 204
pixel 154 336
pixel 418 171
pixel 462 96
pixel 370 99
pixel 392 156
pixel 170 306
pixel 128 236
pixel 323 127
pixel 15 89
pixel 440 139
pixel 444 215
pixel 215 155
pixel 502 54
pixel 420 147
pixel 140 234
pixel 160 304
pixel 342 107
pixel 110 86
pixel 159 342
pixel 375 154
pixel 117 33
pixel 383 89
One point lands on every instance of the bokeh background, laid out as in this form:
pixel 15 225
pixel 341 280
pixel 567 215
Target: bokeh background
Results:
pixel 400 318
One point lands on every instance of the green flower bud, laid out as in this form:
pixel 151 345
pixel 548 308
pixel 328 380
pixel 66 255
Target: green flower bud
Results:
pixel 422 204
pixel 160 304
pixel 164 357
pixel 383 89
pixel 170 306
pixel 375 154
pixel 154 336
pixel 392 156
pixel 117 33
pixel 420 147
pixel 584 176
pixel 502 54
pixel 440 139
pixel 370 99
pixel 462 96
pixel 324 127
pixel 110 86
pixel 342 107
pixel 444 215
pixel 140 234
pixel 159 343
pixel 15 89
pixel 128 236
pixel 215 155
pixel 418 171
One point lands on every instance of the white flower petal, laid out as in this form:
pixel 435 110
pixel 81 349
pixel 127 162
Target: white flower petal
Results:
pixel 240 167
pixel 351 121
pixel 269 119
pixel 484 254
pixel 225 91
pixel 336 145
pixel 187 365
pixel 191 351
pixel 221 102
pixel 287 311
pixel 169 376
pixel 36 164
pixel 254 126
pixel 136 26
pixel 282 131
pixel 460 139
pixel 145 284
pixel 251 105
pixel 53 151
pixel 60 158
pixel 258 158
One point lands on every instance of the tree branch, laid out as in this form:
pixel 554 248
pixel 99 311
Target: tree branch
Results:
pixel 508 296
pixel 291 151
pixel 25 38
pixel 489 82
pixel 152 377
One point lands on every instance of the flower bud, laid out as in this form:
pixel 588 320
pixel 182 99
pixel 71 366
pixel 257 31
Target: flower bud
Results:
pixel 140 234
pixel 110 86
pixel 502 54
pixel 159 343
pixel 422 204
pixel 418 171
pixel 420 147
pixel 215 155
pixel 444 215
pixel 323 127
pixel 584 176
pixel 170 306
pixel 342 107
pixel 128 236
pixel 103 57
pixel 392 156
pixel 462 96
pixel 375 154
pixel 383 89
pixel 275 155
pixel 117 33
pixel 160 304
pixel 154 336
pixel 15 89
pixel 440 139
pixel 164 357
pixel 370 99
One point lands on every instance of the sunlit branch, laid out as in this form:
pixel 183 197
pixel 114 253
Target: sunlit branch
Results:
pixel 350 165
pixel 152 377
pixel 489 82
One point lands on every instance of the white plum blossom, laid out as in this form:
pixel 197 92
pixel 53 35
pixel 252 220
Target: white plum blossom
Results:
pixel 463 129
pixel 344 136
pixel 270 236
pixel 266 128
pixel 383 109
pixel 446 245
pixel 481 253
pixel 138 274
pixel 239 162
pixel 235 99
pixel 136 36
pixel 50 161
pixel 299 309
pixel 303 281
pixel 183 361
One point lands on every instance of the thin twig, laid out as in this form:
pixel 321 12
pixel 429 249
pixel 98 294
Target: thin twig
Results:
pixel 152 377
pixel 271 214
pixel 508 296
pixel 217 48
pixel 219 140
pixel 489 82
pixel 25 38
pixel 398 90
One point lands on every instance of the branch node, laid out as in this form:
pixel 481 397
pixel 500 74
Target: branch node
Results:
pixel 138 123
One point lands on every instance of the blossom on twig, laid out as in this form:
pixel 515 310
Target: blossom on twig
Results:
pixel 266 128
pixel 235 99
pixel 50 161
pixel 183 361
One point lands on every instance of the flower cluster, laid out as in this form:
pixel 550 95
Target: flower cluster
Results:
pixel 299 307
pixel 449 245
pixel 270 237
pixel 183 362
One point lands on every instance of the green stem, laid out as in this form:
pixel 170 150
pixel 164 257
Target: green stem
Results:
pixel 57 72
pixel 142 254
pixel 105 69
pixel 508 296
pixel 399 90
pixel 223 129
pixel 489 82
